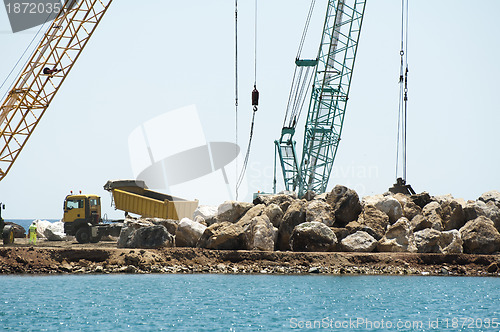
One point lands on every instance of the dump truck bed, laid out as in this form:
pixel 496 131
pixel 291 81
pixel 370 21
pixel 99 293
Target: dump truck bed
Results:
pixel 134 197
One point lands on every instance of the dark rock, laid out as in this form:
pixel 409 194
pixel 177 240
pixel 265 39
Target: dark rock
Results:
pixel 452 215
pixel 491 196
pixel 295 215
pixel 427 241
pixel 19 231
pixel 492 268
pixel 313 236
pixel 274 213
pixel 282 200
pixel 355 226
pixel 421 199
pixel 150 237
pixel 309 195
pixel 345 203
pixel 170 224
pixel 480 236
pixel 340 233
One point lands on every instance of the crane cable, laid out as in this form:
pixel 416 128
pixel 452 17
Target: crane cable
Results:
pixel 255 104
pixel 403 90
pixel 236 90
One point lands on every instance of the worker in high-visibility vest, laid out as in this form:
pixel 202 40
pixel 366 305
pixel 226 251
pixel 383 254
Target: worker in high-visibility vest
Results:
pixel 32 234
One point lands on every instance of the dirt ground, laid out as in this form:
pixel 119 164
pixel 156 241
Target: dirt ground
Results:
pixel 61 257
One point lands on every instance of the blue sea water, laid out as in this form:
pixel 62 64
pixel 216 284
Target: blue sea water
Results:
pixel 249 302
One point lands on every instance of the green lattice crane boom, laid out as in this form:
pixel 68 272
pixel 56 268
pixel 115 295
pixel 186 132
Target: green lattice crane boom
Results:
pixel 331 75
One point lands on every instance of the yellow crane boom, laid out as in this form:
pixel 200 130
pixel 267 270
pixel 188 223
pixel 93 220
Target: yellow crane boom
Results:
pixel 43 75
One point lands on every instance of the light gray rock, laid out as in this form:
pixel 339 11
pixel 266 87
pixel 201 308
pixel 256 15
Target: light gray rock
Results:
pixel 387 204
pixel 451 242
pixel 261 234
pixel 345 203
pixel 432 212
pixel 188 233
pixel 232 211
pixel 320 211
pixel 55 231
pixel 398 238
pixel 427 241
pixel 205 211
pixel 480 236
pixel 313 236
pixel 359 242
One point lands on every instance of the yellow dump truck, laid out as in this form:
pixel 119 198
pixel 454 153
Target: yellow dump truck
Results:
pixel 82 213
pixel 133 196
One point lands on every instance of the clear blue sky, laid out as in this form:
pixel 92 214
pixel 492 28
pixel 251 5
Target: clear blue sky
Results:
pixel 150 58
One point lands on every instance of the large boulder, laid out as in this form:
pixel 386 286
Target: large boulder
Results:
pixel 274 213
pixel 295 215
pixel 421 199
pixel 345 203
pixel 375 219
pixel 232 211
pixel 320 211
pixel 451 242
pixel 427 240
pixel 355 226
pixel 282 200
pixel 398 238
pixel 480 208
pixel 491 196
pixel 207 212
pixel 261 234
pixel 480 236
pixel 313 236
pixel 359 242
pixel 387 204
pixel 419 222
pixel 19 231
pixel 170 224
pixel 55 231
pixel 452 214
pixel 253 212
pixel 432 212
pixel 150 237
pixel 223 236
pixel 188 233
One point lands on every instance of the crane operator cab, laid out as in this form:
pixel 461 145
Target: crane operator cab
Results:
pixel 81 212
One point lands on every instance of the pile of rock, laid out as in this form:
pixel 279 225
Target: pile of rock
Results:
pixel 334 221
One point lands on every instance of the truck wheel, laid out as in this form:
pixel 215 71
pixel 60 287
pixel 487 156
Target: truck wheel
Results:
pixel 95 239
pixel 83 235
pixel 8 234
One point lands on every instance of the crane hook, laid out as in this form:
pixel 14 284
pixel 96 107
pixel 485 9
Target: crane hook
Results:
pixel 255 98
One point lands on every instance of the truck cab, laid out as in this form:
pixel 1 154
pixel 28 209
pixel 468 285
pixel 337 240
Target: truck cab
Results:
pixel 81 212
